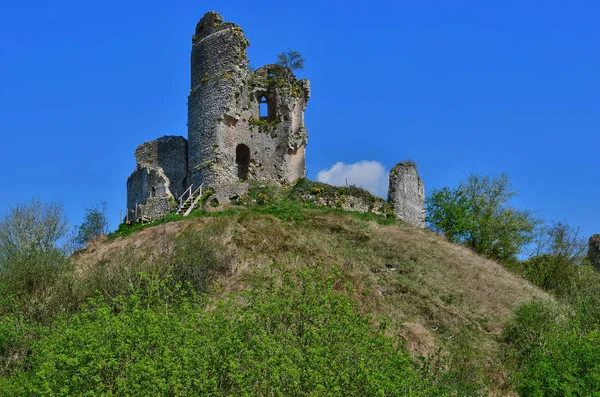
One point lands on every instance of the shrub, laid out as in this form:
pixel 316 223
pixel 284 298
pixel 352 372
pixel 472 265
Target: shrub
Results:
pixel 299 336
pixel 555 346
pixel 554 356
pixel 40 283
pixel 557 259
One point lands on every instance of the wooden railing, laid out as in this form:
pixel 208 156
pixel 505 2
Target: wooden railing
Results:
pixel 138 214
pixel 181 200
pixel 190 195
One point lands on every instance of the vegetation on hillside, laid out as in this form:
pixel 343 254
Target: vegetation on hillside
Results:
pixel 554 346
pixel 278 296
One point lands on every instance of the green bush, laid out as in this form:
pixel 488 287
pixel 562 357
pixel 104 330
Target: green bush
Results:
pixel 40 283
pixel 551 273
pixel 556 345
pixel 568 365
pixel 554 356
pixel 557 261
pixel 299 336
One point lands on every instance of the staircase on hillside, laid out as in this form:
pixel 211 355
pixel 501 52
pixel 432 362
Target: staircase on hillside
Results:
pixel 188 200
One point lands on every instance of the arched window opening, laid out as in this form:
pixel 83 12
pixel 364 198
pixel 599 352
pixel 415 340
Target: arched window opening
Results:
pixel 242 159
pixel 153 192
pixel 264 108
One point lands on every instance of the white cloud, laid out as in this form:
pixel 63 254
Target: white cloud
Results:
pixel 369 175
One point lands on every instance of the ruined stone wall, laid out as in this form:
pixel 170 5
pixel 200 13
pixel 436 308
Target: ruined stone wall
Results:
pixel 170 154
pixel 224 113
pixel 406 194
pixel 161 170
pixel 157 207
pixel 350 198
pixel 348 203
pixel 145 183
pixel 228 142
pixel 594 251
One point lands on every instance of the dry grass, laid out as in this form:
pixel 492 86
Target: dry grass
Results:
pixel 437 295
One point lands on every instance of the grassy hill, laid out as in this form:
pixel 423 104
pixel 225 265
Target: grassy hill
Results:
pixel 444 300
pixel 341 291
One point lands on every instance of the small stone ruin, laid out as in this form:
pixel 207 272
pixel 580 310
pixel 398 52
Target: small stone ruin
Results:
pixel 406 193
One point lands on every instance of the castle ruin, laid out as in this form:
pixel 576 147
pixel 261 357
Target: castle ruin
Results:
pixel 242 126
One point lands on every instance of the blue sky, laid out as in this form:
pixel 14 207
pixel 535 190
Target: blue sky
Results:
pixel 459 87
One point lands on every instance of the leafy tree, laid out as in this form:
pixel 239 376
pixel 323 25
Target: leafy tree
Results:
pixel 95 224
pixel 32 226
pixel 559 239
pixel 555 253
pixel 477 214
pixel 448 212
pixel 291 59
pixel 33 257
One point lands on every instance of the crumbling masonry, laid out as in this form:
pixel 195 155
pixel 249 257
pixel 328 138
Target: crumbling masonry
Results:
pixel 406 193
pixel 242 126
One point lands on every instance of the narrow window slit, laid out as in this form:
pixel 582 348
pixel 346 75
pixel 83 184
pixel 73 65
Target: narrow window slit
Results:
pixel 264 108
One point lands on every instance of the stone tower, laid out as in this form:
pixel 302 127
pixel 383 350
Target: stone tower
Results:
pixel 242 126
pixel 406 193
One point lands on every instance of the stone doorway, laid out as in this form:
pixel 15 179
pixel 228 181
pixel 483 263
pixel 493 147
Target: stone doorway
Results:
pixel 242 159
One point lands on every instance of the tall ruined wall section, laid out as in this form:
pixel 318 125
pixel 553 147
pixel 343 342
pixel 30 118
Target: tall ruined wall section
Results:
pixel 407 194
pixel 161 170
pixel 229 142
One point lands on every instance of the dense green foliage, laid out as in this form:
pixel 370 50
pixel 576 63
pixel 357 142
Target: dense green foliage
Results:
pixel 556 345
pixel 448 212
pixel 298 336
pixel 149 327
pixel 477 214
pixel 33 257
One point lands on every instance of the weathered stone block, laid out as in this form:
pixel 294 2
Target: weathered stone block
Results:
pixel 157 207
pixel 406 194
pixel 161 171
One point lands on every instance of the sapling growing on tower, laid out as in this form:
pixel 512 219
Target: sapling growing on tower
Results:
pixel 291 59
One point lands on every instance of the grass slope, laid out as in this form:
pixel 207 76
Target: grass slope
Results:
pixel 442 298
